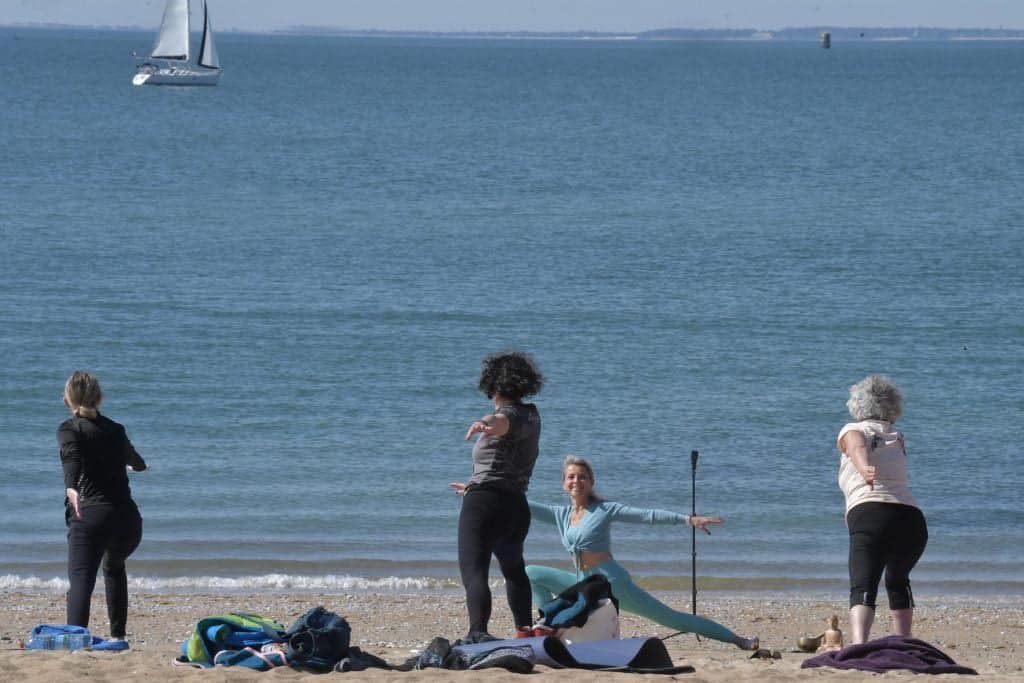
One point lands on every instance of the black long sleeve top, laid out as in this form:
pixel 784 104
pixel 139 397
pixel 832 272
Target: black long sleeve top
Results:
pixel 94 454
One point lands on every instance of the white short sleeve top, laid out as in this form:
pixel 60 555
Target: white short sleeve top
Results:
pixel 888 454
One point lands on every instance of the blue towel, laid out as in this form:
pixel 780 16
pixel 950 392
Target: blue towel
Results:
pixel 232 639
pixel 251 658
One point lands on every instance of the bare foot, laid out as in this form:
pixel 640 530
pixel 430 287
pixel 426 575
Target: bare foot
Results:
pixel 748 643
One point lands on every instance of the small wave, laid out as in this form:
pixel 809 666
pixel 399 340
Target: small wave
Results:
pixel 291 582
pixel 13 582
pixel 241 584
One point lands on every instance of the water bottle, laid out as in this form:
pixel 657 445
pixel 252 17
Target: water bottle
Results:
pixel 46 641
pixel 77 641
pixel 59 641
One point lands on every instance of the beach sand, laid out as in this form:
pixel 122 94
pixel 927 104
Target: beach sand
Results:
pixel 980 633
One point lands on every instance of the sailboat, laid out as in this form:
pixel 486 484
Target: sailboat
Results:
pixel 168 63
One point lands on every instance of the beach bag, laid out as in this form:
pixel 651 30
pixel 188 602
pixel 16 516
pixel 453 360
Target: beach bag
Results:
pixel 602 624
pixel 317 640
pixel 571 613
pixel 227 632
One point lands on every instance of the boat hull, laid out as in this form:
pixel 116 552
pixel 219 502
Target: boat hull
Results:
pixel 176 76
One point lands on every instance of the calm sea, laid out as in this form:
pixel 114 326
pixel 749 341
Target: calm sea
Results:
pixel 286 284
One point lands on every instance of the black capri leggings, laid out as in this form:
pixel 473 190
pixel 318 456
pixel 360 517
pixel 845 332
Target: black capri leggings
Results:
pixel 104 537
pixel 889 537
pixel 495 522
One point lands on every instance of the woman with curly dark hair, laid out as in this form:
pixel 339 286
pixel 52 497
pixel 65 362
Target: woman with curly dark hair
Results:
pixel 495 516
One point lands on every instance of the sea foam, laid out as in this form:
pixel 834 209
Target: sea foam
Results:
pixel 289 583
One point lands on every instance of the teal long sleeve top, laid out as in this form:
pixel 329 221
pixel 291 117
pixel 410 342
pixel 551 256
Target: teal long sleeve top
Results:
pixel 593 533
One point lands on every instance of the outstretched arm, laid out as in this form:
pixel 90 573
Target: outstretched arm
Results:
pixel 626 513
pixel 542 512
pixel 492 425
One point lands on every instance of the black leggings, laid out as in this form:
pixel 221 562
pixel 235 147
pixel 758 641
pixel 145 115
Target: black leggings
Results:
pixel 494 522
pixel 884 536
pixel 107 535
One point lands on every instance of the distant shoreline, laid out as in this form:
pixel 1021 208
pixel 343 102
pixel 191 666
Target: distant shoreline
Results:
pixel 794 34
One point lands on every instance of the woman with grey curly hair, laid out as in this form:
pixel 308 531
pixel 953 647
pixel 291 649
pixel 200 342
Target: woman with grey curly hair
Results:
pixel 887 529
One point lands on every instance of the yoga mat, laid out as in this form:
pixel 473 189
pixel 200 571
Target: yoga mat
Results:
pixel 641 655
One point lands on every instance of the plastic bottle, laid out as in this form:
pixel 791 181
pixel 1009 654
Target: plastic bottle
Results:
pixel 59 641
pixel 41 642
pixel 77 641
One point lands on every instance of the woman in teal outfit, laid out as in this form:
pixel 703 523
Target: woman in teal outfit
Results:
pixel 585 528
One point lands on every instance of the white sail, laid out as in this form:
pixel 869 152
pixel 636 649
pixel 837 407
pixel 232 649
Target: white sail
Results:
pixel 172 41
pixel 207 50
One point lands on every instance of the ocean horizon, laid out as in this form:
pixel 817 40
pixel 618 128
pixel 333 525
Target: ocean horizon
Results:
pixel 854 33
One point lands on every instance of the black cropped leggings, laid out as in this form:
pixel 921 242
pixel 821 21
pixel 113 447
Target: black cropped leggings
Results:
pixel 105 535
pixel 889 537
pixel 494 522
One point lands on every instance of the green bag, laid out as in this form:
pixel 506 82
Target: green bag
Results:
pixel 228 632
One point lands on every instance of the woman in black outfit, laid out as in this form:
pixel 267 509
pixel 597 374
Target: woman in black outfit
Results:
pixel 104 525
pixel 495 516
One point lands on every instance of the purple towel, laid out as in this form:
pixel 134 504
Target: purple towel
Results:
pixel 891 653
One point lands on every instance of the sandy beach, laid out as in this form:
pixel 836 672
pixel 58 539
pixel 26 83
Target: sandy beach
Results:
pixel 980 633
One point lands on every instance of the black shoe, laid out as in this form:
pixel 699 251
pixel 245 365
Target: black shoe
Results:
pixel 474 637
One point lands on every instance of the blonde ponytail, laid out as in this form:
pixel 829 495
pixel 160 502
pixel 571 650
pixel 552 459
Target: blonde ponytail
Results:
pixel 83 394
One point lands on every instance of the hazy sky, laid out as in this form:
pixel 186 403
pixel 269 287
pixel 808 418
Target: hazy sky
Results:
pixel 533 15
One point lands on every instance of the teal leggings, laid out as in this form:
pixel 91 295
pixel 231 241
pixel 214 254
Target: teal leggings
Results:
pixel 545 582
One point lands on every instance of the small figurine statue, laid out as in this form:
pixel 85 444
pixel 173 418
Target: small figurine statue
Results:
pixel 832 638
